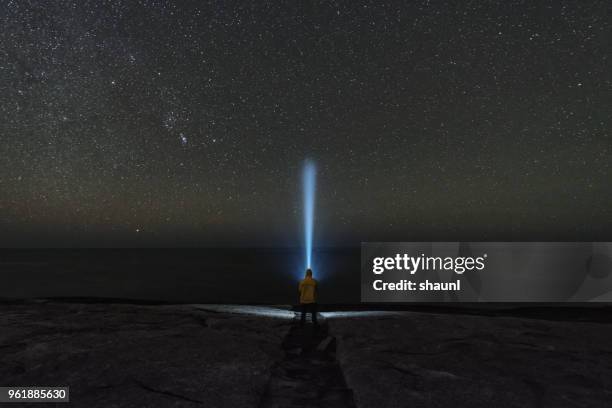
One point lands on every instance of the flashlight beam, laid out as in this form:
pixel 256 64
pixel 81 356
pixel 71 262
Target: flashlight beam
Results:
pixel 309 181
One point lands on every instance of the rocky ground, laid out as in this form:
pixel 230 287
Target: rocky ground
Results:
pixel 439 360
pixel 119 355
pixel 309 374
pixel 140 356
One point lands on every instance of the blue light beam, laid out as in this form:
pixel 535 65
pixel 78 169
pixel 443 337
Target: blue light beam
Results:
pixel 309 185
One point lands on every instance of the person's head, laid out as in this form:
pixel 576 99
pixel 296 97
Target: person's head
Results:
pixel 309 273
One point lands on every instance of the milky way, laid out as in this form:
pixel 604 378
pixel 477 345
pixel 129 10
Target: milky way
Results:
pixel 187 123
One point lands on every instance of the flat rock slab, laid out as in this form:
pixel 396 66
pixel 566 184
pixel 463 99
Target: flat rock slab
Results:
pixel 310 378
pixel 411 359
pixel 113 355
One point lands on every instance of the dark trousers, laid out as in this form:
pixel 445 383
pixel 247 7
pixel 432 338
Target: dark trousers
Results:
pixel 309 308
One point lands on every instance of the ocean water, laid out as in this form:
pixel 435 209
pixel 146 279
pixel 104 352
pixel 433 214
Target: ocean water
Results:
pixel 199 275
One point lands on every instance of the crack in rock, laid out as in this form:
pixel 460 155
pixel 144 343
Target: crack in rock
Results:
pixel 167 393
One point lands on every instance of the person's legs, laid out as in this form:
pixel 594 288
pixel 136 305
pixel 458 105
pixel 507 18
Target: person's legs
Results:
pixel 303 318
pixel 313 313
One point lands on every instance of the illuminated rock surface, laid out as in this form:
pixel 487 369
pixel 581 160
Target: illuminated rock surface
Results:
pixel 434 360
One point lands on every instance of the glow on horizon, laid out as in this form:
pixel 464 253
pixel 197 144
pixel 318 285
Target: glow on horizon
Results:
pixel 309 185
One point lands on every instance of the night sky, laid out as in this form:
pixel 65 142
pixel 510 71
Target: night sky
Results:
pixel 158 123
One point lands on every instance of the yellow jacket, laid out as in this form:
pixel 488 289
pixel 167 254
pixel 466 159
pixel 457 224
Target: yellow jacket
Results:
pixel 308 290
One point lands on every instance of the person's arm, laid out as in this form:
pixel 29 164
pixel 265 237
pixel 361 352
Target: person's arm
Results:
pixel 299 292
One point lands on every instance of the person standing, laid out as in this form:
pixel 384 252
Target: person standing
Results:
pixel 308 297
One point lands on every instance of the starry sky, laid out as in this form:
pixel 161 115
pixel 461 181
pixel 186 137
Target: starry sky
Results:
pixel 160 123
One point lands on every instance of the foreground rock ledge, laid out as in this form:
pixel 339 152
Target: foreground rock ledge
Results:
pixel 114 355
pixel 427 360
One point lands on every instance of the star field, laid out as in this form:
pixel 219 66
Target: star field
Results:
pixel 186 123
